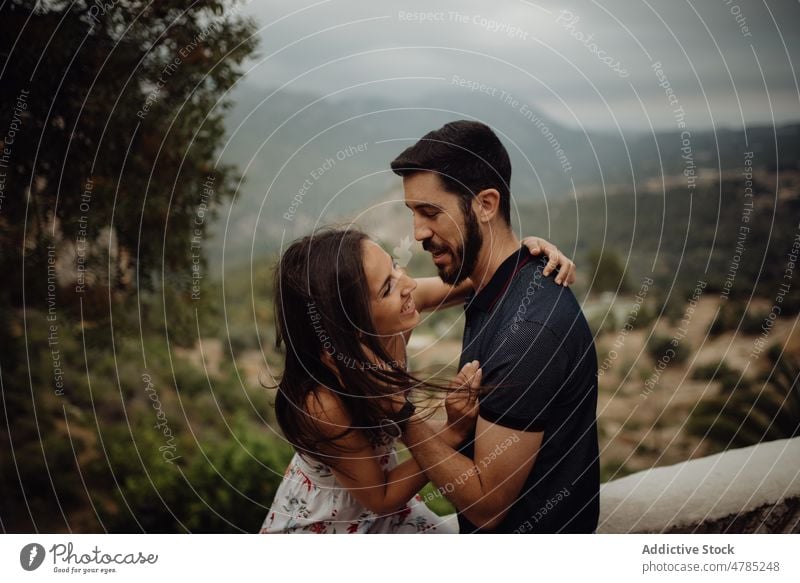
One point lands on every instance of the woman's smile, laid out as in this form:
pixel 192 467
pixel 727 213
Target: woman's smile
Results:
pixel 408 308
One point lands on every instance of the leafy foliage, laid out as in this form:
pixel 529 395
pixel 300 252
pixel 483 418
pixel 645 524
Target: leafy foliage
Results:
pixel 608 271
pixel 752 414
pixel 663 347
pixel 111 182
pixel 734 315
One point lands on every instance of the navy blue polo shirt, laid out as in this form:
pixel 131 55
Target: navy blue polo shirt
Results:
pixel 537 353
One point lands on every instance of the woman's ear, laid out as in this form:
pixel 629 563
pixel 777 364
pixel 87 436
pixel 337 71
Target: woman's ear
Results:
pixel 488 201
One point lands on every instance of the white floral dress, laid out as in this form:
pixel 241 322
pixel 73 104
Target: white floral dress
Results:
pixel 311 500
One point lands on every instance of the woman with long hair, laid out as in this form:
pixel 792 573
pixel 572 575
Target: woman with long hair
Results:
pixel 344 311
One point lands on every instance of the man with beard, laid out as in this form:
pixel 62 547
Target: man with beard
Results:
pixel 532 465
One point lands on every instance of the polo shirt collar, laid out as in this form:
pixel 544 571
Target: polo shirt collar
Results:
pixel 494 290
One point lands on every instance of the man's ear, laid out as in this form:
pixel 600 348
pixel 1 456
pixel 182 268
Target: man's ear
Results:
pixel 487 204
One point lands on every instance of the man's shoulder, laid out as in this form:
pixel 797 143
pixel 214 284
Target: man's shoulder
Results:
pixel 531 279
pixel 528 330
pixel 537 298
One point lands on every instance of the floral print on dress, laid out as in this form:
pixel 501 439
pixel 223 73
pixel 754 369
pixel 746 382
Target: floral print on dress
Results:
pixel 311 500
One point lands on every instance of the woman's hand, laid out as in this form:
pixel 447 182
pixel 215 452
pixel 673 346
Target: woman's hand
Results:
pixel 462 401
pixel 557 260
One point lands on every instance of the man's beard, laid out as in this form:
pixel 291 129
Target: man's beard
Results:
pixel 465 256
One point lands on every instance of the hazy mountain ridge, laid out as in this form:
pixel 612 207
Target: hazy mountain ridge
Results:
pixel 309 160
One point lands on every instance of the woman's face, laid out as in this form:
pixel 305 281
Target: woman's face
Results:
pixel 391 304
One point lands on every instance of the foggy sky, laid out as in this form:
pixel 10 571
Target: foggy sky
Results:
pixel 720 72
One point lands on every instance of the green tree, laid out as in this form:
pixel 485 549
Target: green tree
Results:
pixel 118 122
pixel 608 271
pixel 111 116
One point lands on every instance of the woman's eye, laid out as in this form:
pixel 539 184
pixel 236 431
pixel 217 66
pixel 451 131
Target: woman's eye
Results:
pixel 391 287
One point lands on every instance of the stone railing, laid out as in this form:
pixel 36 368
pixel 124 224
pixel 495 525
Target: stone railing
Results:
pixel 753 489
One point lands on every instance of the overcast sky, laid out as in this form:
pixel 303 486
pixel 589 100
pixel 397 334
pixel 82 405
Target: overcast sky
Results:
pixel 728 63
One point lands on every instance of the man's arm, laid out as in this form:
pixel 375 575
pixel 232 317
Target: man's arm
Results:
pixel 482 489
pixel 510 427
pixel 432 293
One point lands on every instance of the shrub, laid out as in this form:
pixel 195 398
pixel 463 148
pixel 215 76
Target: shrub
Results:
pixel 660 346
pixel 734 316
pixel 750 415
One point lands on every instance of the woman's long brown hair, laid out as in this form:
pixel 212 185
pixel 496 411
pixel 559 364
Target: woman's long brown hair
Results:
pixel 322 307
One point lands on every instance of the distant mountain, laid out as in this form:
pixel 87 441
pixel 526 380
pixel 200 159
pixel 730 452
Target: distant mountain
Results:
pixel 309 160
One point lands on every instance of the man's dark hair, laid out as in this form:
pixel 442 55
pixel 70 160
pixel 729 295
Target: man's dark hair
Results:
pixel 467 156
